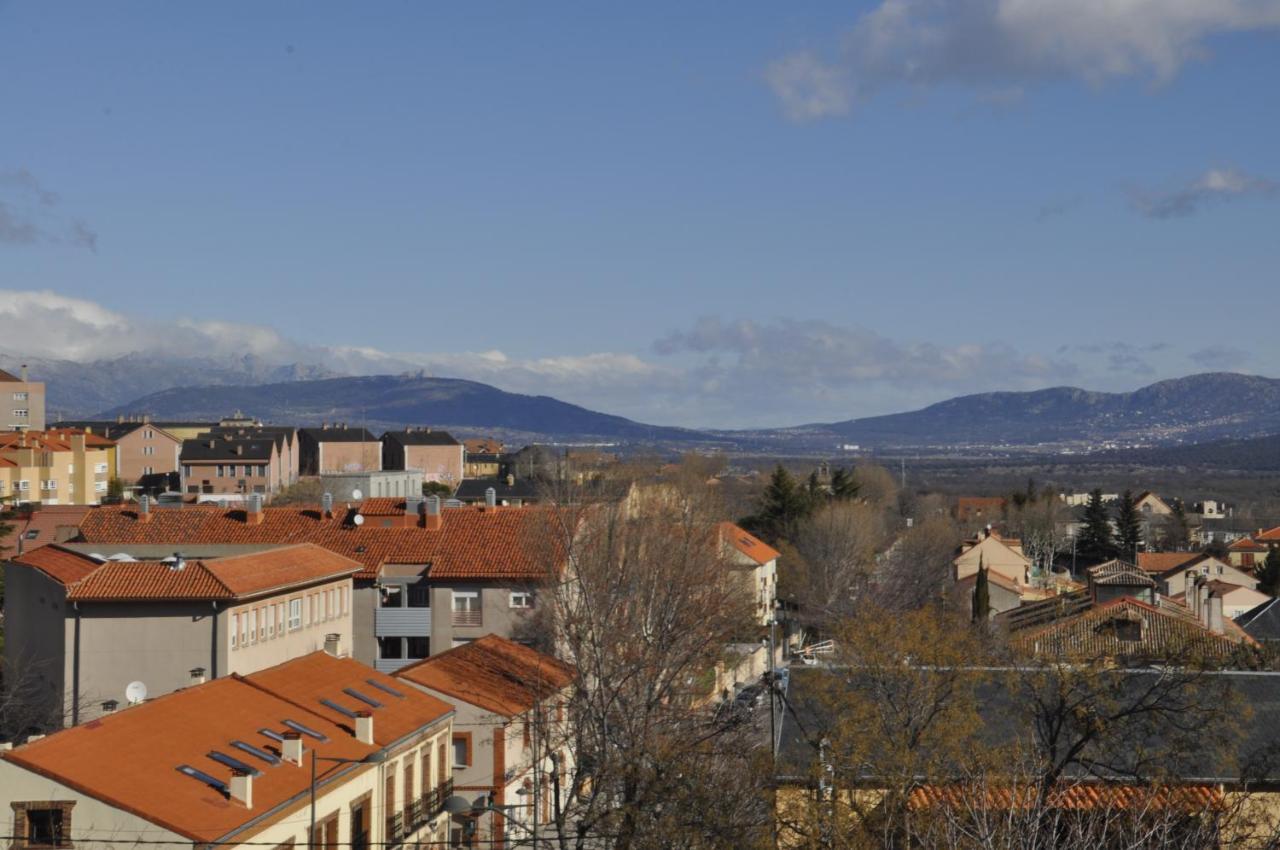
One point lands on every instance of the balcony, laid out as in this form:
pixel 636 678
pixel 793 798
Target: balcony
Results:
pixel 395 829
pixel 391 665
pixel 401 622
pixel 466 618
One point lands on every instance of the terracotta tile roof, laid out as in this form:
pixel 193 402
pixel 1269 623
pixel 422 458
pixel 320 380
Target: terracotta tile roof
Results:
pixel 477 543
pixel 1160 562
pixel 494 673
pixel 50 524
pixel 242 576
pixel 6 377
pixel 309 679
pixel 1120 573
pixel 1271 535
pixel 1086 634
pixel 1247 544
pixel 130 759
pixel 1194 798
pixel 754 548
pixel 53 440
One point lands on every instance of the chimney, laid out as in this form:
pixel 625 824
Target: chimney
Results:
pixel 490 498
pixel 291 748
pixel 333 644
pixel 364 727
pixel 1202 599
pixel 197 675
pixel 511 480
pixel 179 564
pixel 239 450
pixel 119 418
pixel 144 508
pixel 1215 614
pixel 109 706
pixel 254 515
pixel 326 505
pixel 433 520
pixel 241 787
pixel 415 509
pixel 24 373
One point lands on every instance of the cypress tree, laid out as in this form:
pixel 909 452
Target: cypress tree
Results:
pixel 981 595
pixel 1269 575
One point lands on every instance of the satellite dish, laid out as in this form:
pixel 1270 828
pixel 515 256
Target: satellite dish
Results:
pixel 135 693
pixel 359 519
pixel 356 494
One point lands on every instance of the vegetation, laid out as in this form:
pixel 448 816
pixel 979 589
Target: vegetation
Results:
pixel 1095 543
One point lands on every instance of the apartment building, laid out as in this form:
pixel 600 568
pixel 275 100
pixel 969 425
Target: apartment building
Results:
pixel 431 576
pixel 55 467
pixel 21 402
pixel 146 454
pixel 233 464
pixel 757 562
pixel 80 628
pixel 510 732
pixel 243 763
pixel 338 449
pixel 436 453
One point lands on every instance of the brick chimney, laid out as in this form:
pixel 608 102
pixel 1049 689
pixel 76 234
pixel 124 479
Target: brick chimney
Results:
pixel 291 748
pixel 364 727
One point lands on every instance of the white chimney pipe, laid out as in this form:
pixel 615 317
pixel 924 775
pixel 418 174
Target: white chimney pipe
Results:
pixel 197 675
pixel 1215 614
pixel 364 727
pixel 241 788
pixel 333 644
pixel 291 748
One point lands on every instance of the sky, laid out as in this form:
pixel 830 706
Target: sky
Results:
pixel 716 215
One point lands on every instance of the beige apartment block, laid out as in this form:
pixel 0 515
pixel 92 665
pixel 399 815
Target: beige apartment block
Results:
pixel 21 402
pixel 57 467
pixel 436 453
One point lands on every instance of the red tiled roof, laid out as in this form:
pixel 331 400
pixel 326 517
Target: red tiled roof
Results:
pixel 1271 535
pixel 494 673
pixel 1160 562
pixel 311 678
pixel 475 542
pixel 221 578
pixel 54 440
pixel 754 548
pixel 1195 798
pixel 1247 544
pixel 49 524
pixel 130 759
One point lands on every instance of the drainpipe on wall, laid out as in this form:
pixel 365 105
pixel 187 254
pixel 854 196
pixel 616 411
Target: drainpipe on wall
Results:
pixel 213 652
pixel 75 670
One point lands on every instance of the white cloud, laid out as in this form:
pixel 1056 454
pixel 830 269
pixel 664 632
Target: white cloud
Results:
pixel 809 88
pixel 1215 185
pixel 990 44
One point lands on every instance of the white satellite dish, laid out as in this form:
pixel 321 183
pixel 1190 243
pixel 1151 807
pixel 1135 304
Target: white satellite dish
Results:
pixel 356 494
pixel 135 693
pixel 359 519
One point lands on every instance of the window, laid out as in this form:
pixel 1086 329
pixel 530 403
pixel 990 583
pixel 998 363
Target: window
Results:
pixel 325 836
pixel 521 599
pixel 345 603
pixel 31 534
pixel 100 468
pixel 99 486
pixel 186 470
pixel 466 608
pixel 148 450
pixel 419 596
pixel 461 750
pixel 419 647
pixel 24 485
pixel 235 630
pixel 360 822
pixel 19 396
pixel 390 647
pixel 43 824
pixel 262 623
pixel 408 791
pixel 222 471
pixel 244 629
pixel 253 626
pixel 49 484
pixel 20 414
pixel 295 614
pixel 262 470
pixel 391 596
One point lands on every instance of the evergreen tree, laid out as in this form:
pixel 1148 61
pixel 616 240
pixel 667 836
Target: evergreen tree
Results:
pixel 981 595
pixel 1269 575
pixel 783 505
pixel 844 485
pixel 1128 526
pixel 1094 542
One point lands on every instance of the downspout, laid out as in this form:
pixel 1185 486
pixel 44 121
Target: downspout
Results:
pixel 75 670
pixel 213 651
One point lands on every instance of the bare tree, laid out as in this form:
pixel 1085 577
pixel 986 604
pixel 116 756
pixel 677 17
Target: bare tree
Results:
pixel 837 549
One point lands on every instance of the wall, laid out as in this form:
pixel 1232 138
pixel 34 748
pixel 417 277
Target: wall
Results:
pixel 34 648
pixel 349 457
pixel 496 614
pixel 1215 569
pixel 995 556
pixel 438 463
pixel 33 404
pixel 276 648
pixel 132 459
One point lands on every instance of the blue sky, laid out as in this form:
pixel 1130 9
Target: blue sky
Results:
pixel 736 214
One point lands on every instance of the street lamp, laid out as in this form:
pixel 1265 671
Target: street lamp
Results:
pixel 457 805
pixel 377 757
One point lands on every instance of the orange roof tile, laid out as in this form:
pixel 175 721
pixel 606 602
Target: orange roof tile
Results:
pixel 130 759
pixel 1194 798
pixel 1247 544
pixel 50 524
pixel 311 678
pixel 61 565
pixel 1271 535
pixel 754 548
pixel 1160 562
pixel 494 673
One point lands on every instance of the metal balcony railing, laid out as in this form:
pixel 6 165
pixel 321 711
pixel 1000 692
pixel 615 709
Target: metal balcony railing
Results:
pixel 466 618
pixel 395 829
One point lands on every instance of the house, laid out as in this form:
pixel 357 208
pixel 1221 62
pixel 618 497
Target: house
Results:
pixel 374 484
pixel 436 453
pixel 1002 593
pixel 510 731
pixel 979 509
pixel 238 763
pixel 1247 554
pixel 1151 505
pixel 146 454
pixel 758 563
pixel 431 576
pixel 21 402
pixel 337 448
pixel 1173 569
pixel 231 462
pixel 483 445
pixel 482 464
pixel 510 491
pixel 36 528
pixel 998 554
pixel 1236 600
pixel 1212 509
pixel 80 629
pixel 55 467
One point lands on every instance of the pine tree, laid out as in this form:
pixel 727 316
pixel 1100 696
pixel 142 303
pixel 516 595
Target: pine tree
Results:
pixel 844 485
pixel 782 506
pixel 1094 542
pixel 1128 526
pixel 981 595
pixel 1269 575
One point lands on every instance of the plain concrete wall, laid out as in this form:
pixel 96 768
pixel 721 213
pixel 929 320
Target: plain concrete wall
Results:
pixel 34 647
pixel 260 654
pixel 496 614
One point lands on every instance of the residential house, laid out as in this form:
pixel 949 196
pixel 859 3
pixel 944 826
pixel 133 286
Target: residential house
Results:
pixel 483 445
pixel 338 448
pixel 758 563
pixel 1151 505
pixel 510 491
pixel 239 763
pixel 1247 554
pixel 1003 594
pixel 230 463
pixel 1269 537
pixel 436 453
pixel 35 528
pixel 481 464
pixel 431 576
pixel 81 628
pixel 1212 509
pixel 55 467
pixel 1236 600
pixel 146 454
pixel 510 733
pixel 998 554
pixel 1174 569
pixel 386 483
pixel 21 402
